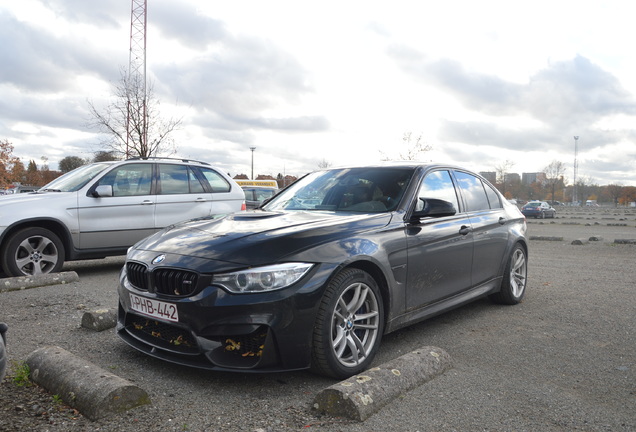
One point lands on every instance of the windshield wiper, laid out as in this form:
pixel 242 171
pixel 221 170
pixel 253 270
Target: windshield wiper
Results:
pixel 50 190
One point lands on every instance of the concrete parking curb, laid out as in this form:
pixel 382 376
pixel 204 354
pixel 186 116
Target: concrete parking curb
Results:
pixel 100 320
pixel 25 282
pixel 581 241
pixel 362 395
pixel 547 238
pixel 625 241
pixel 84 386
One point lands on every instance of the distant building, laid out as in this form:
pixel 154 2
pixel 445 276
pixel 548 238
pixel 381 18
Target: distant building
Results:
pixel 491 176
pixel 512 178
pixel 529 178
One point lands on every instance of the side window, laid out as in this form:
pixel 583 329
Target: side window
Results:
pixel 473 191
pixel 129 180
pixel 493 197
pixel 437 185
pixel 195 184
pixel 173 179
pixel 216 180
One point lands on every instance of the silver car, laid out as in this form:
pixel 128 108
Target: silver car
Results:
pixel 3 350
pixel 102 209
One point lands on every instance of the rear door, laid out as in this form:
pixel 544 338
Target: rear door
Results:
pixel 180 195
pixel 226 197
pixel 489 223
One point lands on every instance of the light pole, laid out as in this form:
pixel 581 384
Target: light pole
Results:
pixel 252 148
pixel 575 196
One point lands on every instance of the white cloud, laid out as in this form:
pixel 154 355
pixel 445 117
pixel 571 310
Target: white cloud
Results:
pixel 483 82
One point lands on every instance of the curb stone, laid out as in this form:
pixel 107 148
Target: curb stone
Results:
pixel 362 395
pixel 546 238
pixel 84 386
pixel 100 320
pixel 25 282
pixel 581 241
pixel 625 241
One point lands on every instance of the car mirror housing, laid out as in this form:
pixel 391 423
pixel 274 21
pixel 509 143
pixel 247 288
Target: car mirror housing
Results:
pixel 432 207
pixel 103 191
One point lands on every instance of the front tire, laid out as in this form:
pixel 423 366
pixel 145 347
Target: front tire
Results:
pixel 31 252
pixel 513 286
pixel 349 325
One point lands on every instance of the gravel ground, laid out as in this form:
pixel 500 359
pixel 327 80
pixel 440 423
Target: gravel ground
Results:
pixel 564 359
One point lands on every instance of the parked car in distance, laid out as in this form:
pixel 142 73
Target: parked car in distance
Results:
pixel 101 209
pixel 257 191
pixel 3 350
pixel 19 189
pixel 538 209
pixel 318 274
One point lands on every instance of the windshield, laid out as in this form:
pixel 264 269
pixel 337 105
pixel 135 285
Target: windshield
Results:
pixel 365 190
pixel 76 179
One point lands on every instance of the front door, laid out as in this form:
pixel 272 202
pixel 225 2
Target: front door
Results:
pixel 440 250
pixel 122 219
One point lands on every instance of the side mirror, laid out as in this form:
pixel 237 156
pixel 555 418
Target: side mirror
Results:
pixel 103 191
pixel 434 208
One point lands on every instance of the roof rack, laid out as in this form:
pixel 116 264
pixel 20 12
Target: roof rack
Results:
pixel 168 158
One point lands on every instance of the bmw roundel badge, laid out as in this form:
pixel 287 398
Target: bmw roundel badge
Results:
pixel 159 259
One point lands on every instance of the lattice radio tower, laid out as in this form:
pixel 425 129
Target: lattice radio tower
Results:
pixel 137 70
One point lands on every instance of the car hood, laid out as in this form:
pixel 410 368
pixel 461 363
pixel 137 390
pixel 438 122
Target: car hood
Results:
pixel 258 237
pixel 33 203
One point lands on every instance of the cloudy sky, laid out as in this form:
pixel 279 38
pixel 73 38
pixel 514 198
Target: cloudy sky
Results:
pixel 303 82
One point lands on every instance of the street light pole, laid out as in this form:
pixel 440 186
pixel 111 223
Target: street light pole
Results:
pixel 575 196
pixel 252 148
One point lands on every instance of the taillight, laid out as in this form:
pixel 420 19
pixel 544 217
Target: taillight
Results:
pixel 243 206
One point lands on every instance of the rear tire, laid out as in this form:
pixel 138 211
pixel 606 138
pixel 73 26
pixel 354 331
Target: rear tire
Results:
pixel 513 285
pixel 31 252
pixel 349 325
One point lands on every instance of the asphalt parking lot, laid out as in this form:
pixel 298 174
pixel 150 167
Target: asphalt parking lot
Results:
pixel 564 359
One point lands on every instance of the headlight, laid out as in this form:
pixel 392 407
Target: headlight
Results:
pixel 261 279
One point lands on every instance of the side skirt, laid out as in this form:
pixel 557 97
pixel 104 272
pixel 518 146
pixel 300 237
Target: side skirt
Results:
pixel 442 306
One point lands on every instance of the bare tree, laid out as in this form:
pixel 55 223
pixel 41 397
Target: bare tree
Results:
pixel 414 148
pixel 133 122
pixel 502 170
pixel 554 175
pixel 324 163
pixel 586 188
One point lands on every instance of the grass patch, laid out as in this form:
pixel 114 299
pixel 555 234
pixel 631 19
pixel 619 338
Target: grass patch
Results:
pixel 21 373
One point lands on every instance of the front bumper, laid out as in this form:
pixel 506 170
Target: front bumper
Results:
pixel 263 332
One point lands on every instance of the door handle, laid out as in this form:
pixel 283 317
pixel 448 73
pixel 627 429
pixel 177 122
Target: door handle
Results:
pixel 200 200
pixel 146 202
pixel 464 230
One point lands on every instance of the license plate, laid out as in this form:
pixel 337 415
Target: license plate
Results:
pixel 154 308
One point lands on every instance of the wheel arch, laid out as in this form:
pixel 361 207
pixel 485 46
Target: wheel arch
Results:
pixel 53 225
pixel 378 275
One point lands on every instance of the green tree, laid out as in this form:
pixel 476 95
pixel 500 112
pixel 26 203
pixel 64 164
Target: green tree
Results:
pixel 33 174
pixel 104 156
pixel 69 163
